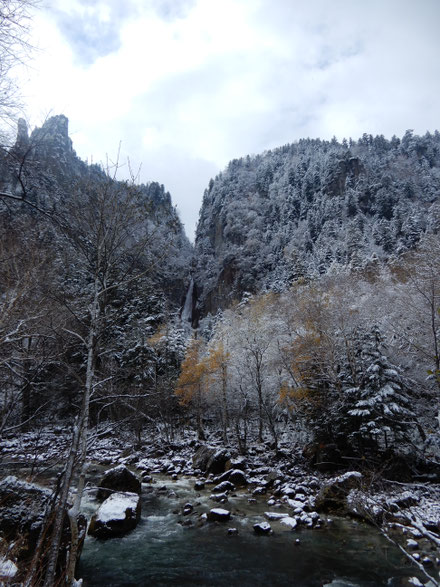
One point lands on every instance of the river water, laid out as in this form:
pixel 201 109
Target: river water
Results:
pixel 161 552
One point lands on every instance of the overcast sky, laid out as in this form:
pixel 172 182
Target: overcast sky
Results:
pixel 187 85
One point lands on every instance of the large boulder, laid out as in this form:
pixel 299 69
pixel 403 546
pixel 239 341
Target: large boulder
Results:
pixel 238 477
pixel 119 479
pixel 333 494
pixel 23 510
pixel 211 460
pixel 201 457
pixel 116 516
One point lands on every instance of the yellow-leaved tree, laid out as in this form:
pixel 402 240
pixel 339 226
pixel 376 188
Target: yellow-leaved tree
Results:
pixel 191 382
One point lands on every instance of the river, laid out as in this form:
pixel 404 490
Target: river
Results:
pixel 161 552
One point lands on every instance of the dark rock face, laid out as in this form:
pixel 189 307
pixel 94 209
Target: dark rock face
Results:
pixel 202 456
pixel 116 516
pixel 333 495
pixel 211 460
pixel 23 508
pixel 116 480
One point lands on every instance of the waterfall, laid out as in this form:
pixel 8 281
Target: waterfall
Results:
pixel 187 307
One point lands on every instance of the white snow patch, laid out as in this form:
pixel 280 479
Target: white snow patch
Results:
pixel 220 512
pixel 289 522
pixel 345 476
pixel 115 506
pixel 275 515
pixel 7 568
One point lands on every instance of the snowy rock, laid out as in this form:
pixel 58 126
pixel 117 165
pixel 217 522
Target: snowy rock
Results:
pixel 22 512
pixel 405 500
pixel 8 569
pixel 224 487
pixel 288 491
pixel 333 495
pixel 297 506
pixel 232 531
pixel 219 515
pixel 360 505
pixel 219 497
pixel 262 528
pixel 260 490
pixel 237 463
pixel 118 479
pixel 237 477
pixel 289 522
pixel 275 515
pixel 117 515
pixel 412 544
pixel 199 485
pixel 211 460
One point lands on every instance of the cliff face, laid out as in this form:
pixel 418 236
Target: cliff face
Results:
pixel 313 207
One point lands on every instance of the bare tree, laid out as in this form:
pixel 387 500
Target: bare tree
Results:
pixel 15 19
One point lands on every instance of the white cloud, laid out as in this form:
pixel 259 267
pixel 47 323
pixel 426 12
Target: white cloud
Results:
pixel 189 85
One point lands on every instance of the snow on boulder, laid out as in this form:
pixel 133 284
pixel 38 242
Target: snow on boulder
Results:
pixel 118 479
pixel 8 569
pixel 223 487
pixel 262 528
pixel 289 522
pixel 117 515
pixel 219 515
pixel 333 495
pixel 237 477
pixel 275 515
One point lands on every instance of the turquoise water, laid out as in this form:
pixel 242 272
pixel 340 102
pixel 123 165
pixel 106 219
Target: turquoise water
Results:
pixel 160 552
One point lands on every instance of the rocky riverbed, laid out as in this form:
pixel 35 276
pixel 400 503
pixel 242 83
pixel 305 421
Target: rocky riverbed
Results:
pixel 287 495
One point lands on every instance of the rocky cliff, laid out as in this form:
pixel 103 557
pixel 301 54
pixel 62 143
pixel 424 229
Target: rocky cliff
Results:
pixel 44 169
pixel 313 207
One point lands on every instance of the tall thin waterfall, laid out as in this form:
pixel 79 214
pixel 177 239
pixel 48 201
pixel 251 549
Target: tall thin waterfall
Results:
pixel 187 307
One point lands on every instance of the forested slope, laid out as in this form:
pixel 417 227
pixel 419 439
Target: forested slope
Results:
pixel 311 208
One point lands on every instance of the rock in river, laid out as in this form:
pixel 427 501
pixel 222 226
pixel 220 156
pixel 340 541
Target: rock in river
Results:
pixel 262 528
pixel 116 480
pixel 219 515
pixel 117 515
